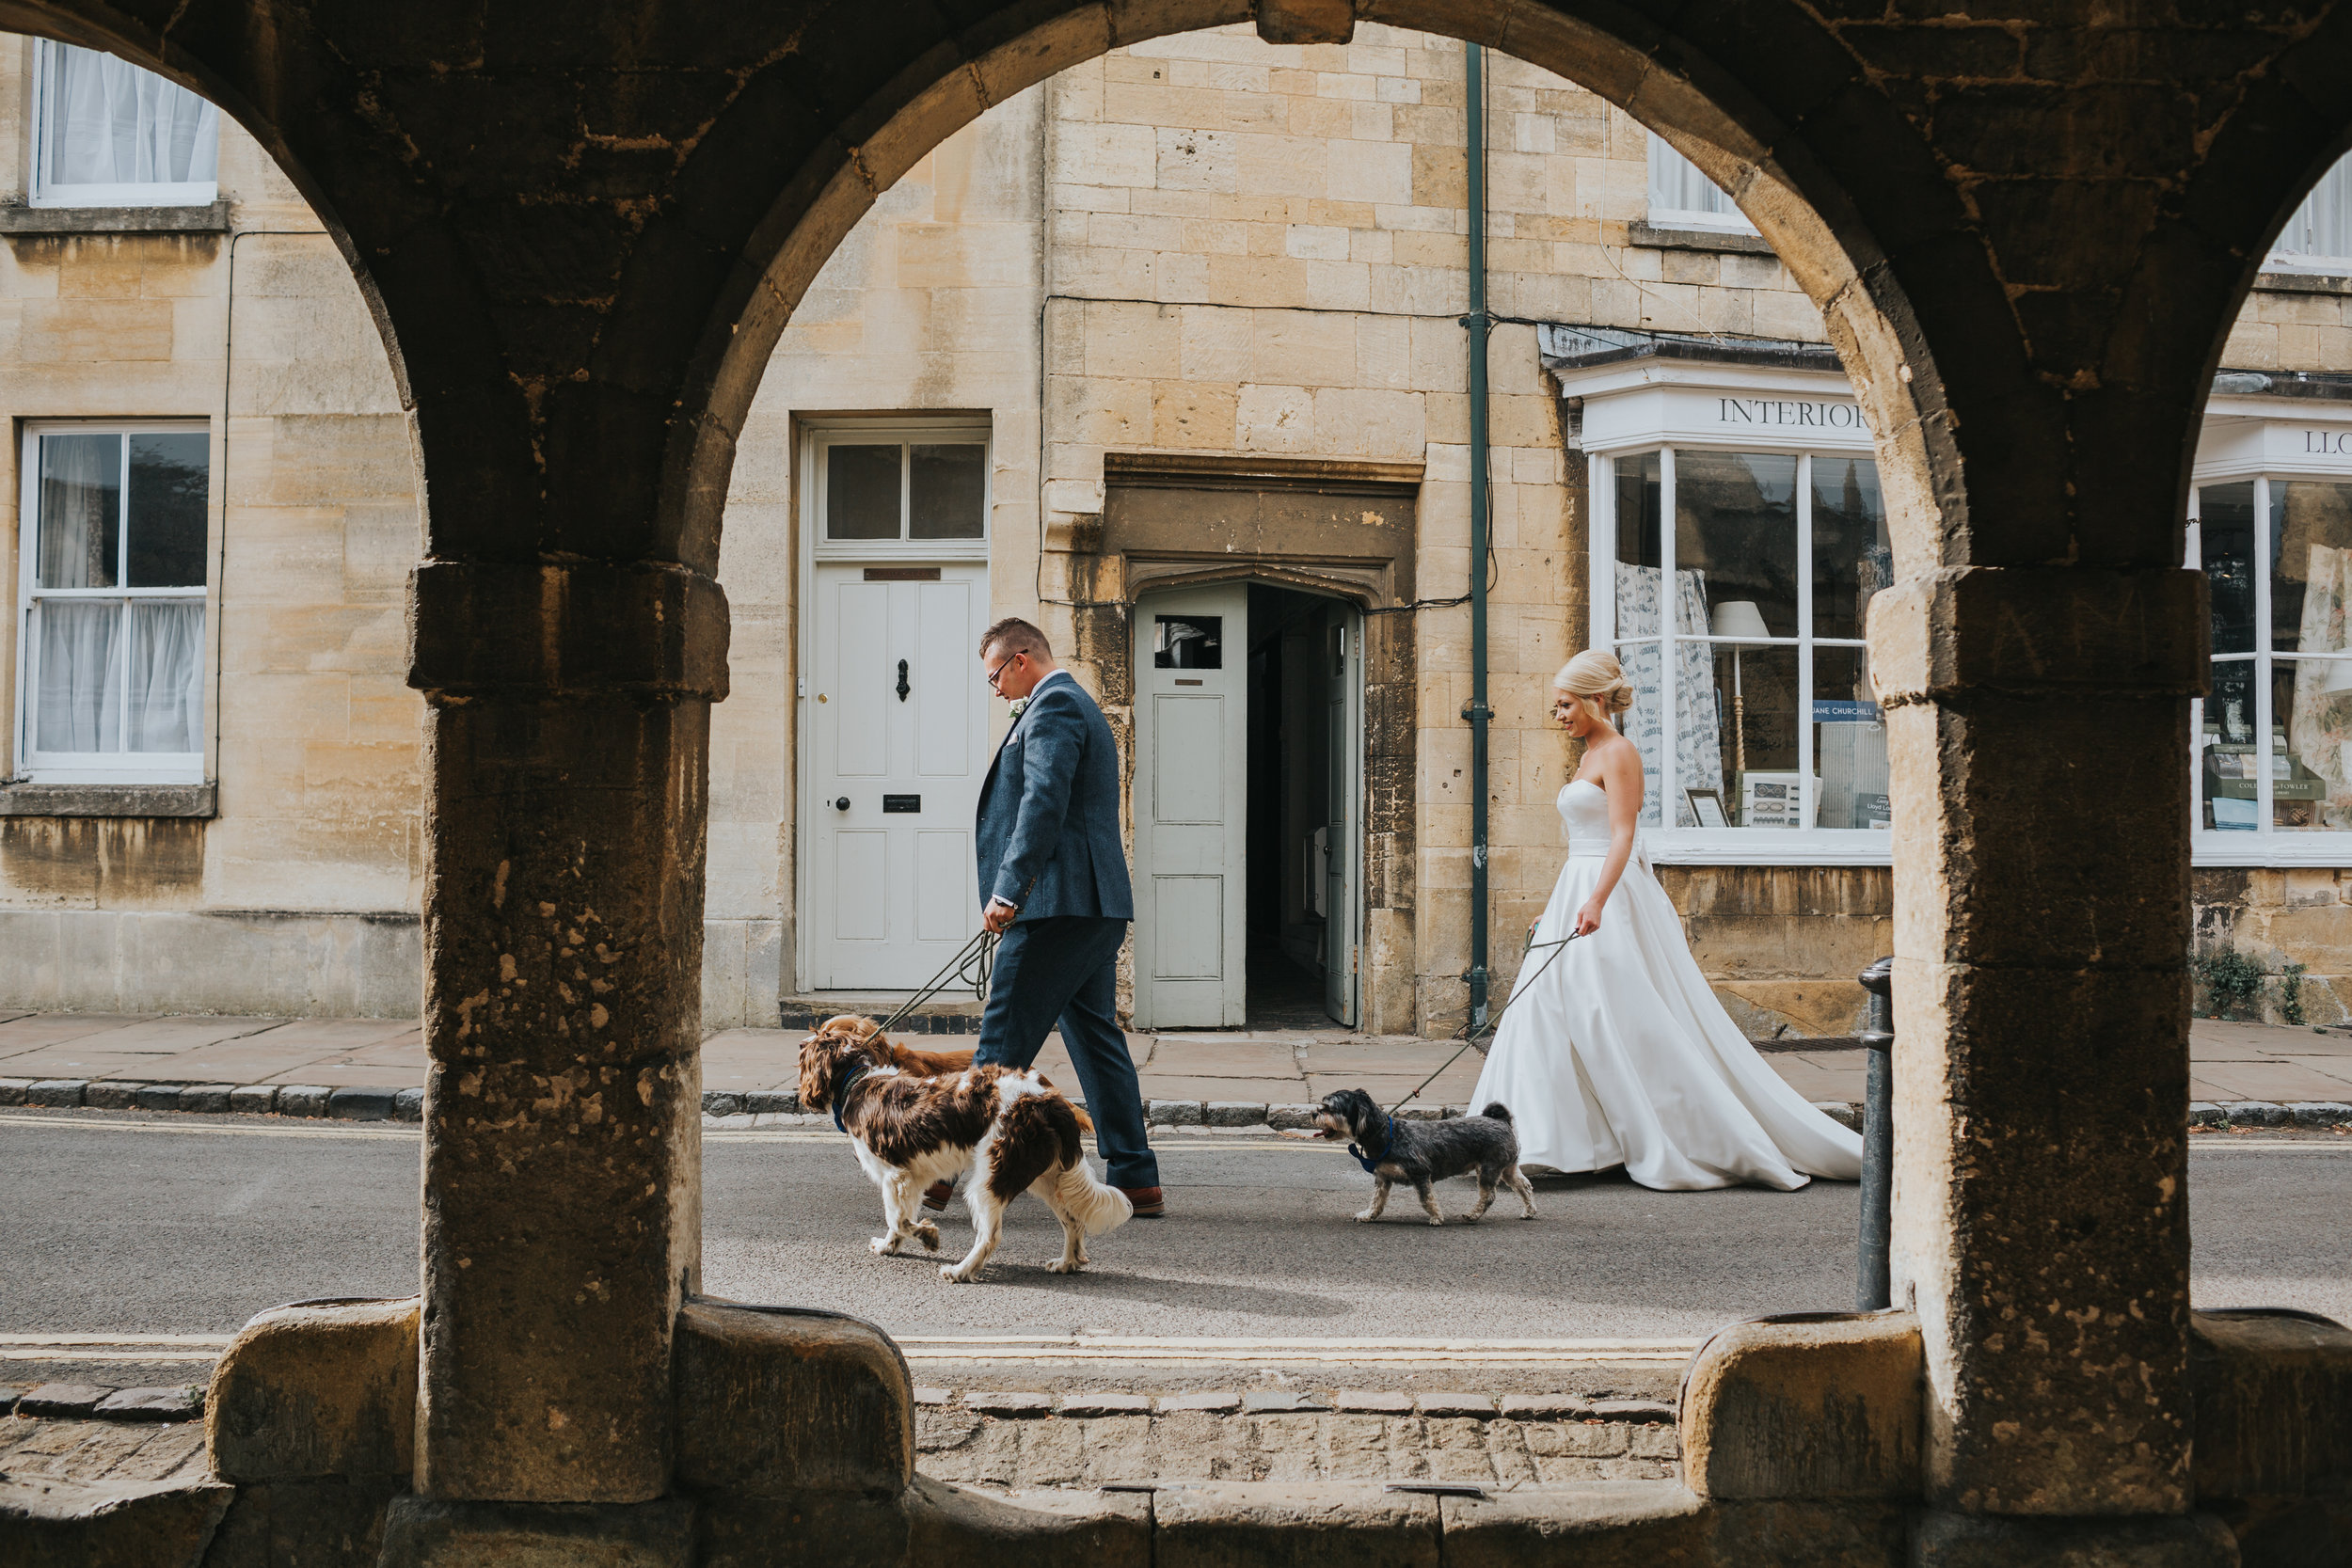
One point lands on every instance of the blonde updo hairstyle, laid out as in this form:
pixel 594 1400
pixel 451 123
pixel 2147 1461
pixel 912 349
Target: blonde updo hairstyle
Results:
pixel 1593 677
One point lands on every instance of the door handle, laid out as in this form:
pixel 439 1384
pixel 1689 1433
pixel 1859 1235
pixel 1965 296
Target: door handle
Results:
pixel 842 804
pixel 904 688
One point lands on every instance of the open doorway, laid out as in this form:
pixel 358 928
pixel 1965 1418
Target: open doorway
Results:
pixel 1300 962
pixel 1248 825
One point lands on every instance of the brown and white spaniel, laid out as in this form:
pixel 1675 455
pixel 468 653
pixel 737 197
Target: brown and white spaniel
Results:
pixel 1013 1130
pixel 915 1064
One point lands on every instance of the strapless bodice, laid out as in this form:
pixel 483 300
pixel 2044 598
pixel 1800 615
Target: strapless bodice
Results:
pixel 1585 811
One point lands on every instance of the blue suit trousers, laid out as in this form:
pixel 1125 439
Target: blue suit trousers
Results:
pixel 1065 968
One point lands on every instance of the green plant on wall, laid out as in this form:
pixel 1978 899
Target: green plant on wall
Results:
pixel 2291 993
pixel 2232 982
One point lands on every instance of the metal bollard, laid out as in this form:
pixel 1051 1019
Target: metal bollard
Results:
pixel 1873 1288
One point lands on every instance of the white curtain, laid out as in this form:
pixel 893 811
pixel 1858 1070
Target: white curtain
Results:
pixel 165 700
pixel 110 123
pixel 1698 711
pixel 1678 187
pixel 2322 226
pixel 79 480
pixel 79 706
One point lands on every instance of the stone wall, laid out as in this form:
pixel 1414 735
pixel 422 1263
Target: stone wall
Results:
pixel 300 895
pixel 1203 245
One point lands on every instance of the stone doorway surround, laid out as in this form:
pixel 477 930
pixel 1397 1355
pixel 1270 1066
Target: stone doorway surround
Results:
pixel 1340 527
pixel 2027 243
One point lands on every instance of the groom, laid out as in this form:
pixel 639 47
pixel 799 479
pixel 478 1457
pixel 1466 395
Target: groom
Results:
pixel 1054 878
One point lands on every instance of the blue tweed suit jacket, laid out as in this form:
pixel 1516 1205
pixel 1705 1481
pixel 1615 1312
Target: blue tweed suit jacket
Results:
pixel 1047 837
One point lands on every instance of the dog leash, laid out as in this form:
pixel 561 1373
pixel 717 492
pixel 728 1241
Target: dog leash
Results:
pixel 973 963
pixel 1469 1040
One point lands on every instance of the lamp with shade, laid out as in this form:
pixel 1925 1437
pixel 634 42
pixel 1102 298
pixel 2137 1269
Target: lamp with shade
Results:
pixel 1740 622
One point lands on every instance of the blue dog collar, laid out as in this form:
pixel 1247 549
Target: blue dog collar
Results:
pixel 842 1093
pixel 1370 1161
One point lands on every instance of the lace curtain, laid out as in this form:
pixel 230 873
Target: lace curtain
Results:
pixel 2322 724
pixel 1698 711
pixel 110 123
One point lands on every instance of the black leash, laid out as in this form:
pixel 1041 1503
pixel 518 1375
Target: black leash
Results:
pixel 973 964
pixel 1471 1038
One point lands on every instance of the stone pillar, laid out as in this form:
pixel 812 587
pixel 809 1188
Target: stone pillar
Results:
pixel 2038 720
pixel 563 937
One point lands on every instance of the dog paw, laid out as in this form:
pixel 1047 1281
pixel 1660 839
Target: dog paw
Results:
pixel 1435 1220
pixel 1061 1265
pixel 1366 1217
pixel 929 1236
pixel 883 1245
pixel 954 1275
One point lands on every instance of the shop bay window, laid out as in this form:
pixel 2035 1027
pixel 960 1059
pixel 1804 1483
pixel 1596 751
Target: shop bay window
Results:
pixel 111 665
pixel 1738 586
pixel 2275 737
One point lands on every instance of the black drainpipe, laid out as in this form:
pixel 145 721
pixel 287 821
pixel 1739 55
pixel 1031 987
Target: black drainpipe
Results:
pixel 1480 325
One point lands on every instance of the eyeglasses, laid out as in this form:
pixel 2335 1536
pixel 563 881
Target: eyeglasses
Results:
pixel 997 673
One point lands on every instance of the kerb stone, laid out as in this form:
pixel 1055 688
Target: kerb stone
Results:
pixel 302 1099
pixel 163 1524
pixel 325 1391
pixel 1816 1407
pixel 771 1404
pixel 423 1532
pixel 56 1093
pixel 1232 1524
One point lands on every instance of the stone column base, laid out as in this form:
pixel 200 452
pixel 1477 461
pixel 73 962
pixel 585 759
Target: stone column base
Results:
pixel 1983 1541
pixel 425 1532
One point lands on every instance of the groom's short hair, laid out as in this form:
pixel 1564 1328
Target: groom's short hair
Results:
pixel 1015 636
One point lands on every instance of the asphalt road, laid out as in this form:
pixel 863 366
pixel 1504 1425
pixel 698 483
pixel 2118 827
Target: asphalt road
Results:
pixel 177 1223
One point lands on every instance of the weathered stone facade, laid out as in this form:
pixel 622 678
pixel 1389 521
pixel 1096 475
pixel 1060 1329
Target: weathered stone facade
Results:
pixel 1203 247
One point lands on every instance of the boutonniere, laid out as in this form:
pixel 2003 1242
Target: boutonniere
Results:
pixel 1017 704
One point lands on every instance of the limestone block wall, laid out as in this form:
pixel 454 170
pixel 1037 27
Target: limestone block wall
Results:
pixel 930 305
pixel 300 895
pixel 2277 918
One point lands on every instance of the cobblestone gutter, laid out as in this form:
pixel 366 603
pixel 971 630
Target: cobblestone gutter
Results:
pixel 1031 1440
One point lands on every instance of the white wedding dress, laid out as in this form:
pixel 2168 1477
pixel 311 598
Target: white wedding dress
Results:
pixel 1618 1054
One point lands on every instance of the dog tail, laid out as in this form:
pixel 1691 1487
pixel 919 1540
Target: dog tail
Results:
pixel 1097 1205
pixel 1498 1110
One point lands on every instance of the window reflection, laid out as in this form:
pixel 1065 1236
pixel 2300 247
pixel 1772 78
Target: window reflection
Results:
pixel 1853 557
pixel 2225 534
pixel 1736 524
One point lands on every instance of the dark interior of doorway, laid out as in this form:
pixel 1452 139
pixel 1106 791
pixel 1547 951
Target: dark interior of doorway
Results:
pixel 1289 782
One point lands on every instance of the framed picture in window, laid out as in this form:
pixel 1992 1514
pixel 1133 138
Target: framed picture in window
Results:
pixel 1707 806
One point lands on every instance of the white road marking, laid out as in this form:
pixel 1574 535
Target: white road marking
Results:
pixel 969 1348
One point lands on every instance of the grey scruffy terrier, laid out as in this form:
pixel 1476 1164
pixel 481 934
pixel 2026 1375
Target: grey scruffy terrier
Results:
pixel 1483 1146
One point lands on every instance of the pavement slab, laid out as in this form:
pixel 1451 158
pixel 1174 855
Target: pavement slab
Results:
pixel 2276 1080
pixel 181 1032
pixel 27 1032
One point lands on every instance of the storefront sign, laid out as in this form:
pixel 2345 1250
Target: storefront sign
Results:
pixel 1789 413
pixel 1826 712
pixel 2328 443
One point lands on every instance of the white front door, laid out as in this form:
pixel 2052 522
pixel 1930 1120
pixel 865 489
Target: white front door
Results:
pixel 897 726
pixel 1192 754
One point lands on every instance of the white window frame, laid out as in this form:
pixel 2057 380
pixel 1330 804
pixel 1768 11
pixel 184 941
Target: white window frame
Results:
pixel 2268 845
pixel 820 435
pixel 2287 255
pixel 1669 844
pixel 96 768
pixel 192 192
pixel 1665 163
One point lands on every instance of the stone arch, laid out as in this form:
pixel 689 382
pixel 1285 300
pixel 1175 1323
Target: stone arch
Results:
pixel 1746 144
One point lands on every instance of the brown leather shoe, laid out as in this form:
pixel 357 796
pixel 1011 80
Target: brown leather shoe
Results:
pixel 935 1197
pixel 1147 1202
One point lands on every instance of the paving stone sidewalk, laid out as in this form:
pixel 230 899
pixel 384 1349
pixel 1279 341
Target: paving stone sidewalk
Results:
pixel 374 1069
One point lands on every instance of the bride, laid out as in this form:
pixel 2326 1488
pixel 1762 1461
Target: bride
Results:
pixel 1615 1052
